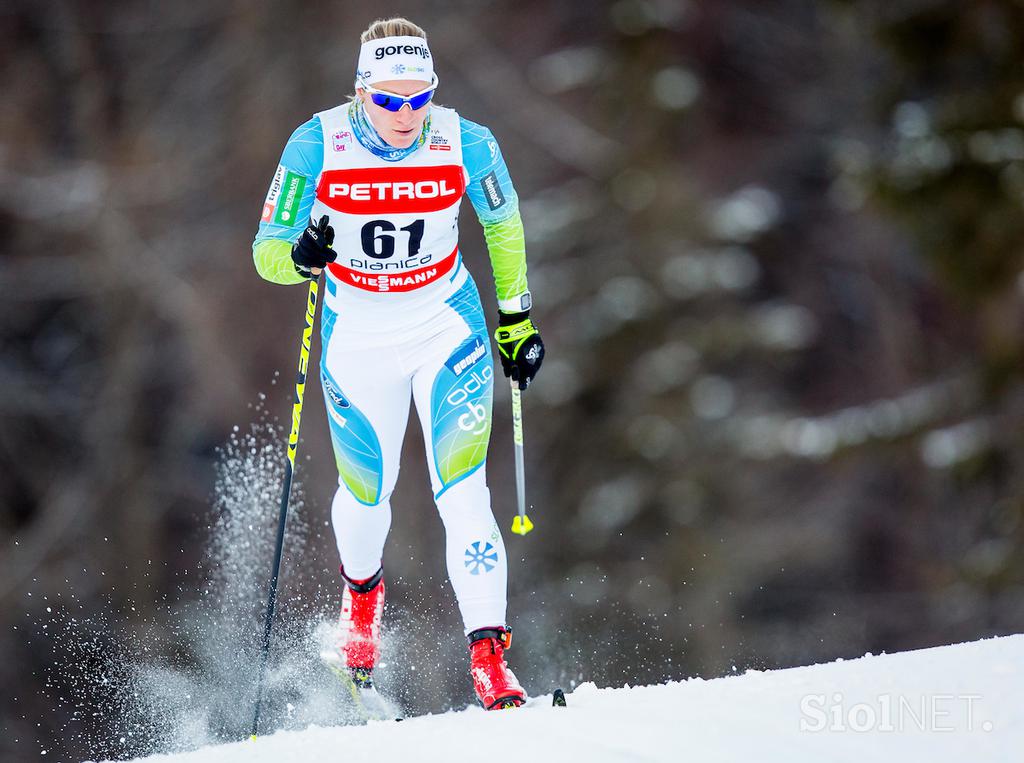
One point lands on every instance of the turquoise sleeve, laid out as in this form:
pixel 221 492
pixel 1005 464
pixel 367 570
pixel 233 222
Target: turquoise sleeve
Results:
pixel 494 198
pixel 288 203
pixel 490 188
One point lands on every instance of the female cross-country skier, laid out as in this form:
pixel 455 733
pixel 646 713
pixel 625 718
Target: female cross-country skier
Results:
pixel 369 191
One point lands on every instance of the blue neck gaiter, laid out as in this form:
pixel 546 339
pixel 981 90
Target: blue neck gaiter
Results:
pixel 371 140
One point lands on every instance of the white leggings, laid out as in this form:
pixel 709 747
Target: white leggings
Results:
pixel 445 365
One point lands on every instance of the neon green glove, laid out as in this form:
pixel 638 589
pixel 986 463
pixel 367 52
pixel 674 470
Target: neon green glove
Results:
pixel 519 346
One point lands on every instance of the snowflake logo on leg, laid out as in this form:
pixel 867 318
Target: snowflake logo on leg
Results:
pixel 480 555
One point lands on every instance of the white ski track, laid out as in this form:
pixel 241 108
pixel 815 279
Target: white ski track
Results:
pixel 943 705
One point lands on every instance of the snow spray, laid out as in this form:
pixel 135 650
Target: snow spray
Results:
pixel 184 677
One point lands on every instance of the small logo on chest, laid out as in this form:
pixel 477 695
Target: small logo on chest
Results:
pixel 342 140
pixel 439 143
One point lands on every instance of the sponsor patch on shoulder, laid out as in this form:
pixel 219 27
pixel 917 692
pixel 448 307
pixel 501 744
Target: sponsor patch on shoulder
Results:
pixel 439 143
pixel 292 187
pixel 492 190
pixel 275 190
pixel 466 355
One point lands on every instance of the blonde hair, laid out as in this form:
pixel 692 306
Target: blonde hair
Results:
pixel 395 26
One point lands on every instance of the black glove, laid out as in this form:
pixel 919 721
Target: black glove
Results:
pixel 313 249
pixel 519 347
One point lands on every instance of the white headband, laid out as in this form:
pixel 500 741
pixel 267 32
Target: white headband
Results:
pixel 394 58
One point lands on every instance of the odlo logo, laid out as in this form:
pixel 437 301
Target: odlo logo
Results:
pixel 476 419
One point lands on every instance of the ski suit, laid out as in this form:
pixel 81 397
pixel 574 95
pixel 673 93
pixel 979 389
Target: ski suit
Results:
pixel 402 318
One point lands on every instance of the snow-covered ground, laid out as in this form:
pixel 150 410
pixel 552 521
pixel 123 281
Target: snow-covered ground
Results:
pixel 956 703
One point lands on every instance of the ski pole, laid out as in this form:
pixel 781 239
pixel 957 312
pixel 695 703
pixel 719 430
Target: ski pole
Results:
pixel 286 490
pixel 521 524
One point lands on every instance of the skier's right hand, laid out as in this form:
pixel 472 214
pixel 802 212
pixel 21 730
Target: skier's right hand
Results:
pixel 313 251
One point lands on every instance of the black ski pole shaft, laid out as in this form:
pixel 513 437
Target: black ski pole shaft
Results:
pixel 286 491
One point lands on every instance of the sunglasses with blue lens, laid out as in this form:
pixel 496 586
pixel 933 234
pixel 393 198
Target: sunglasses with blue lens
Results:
pixel 395 102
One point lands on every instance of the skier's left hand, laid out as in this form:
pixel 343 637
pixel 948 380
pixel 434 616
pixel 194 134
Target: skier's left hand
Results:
pixel 519 347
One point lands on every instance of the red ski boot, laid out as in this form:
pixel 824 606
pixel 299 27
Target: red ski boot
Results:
pixel 495 684
pixel 362 606
pixel 357 647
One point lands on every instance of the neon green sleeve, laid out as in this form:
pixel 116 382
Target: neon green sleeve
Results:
pixel 506 245
pixel 273 259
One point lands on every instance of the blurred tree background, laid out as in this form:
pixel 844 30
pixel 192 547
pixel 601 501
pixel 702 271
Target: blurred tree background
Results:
pixel 776 251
